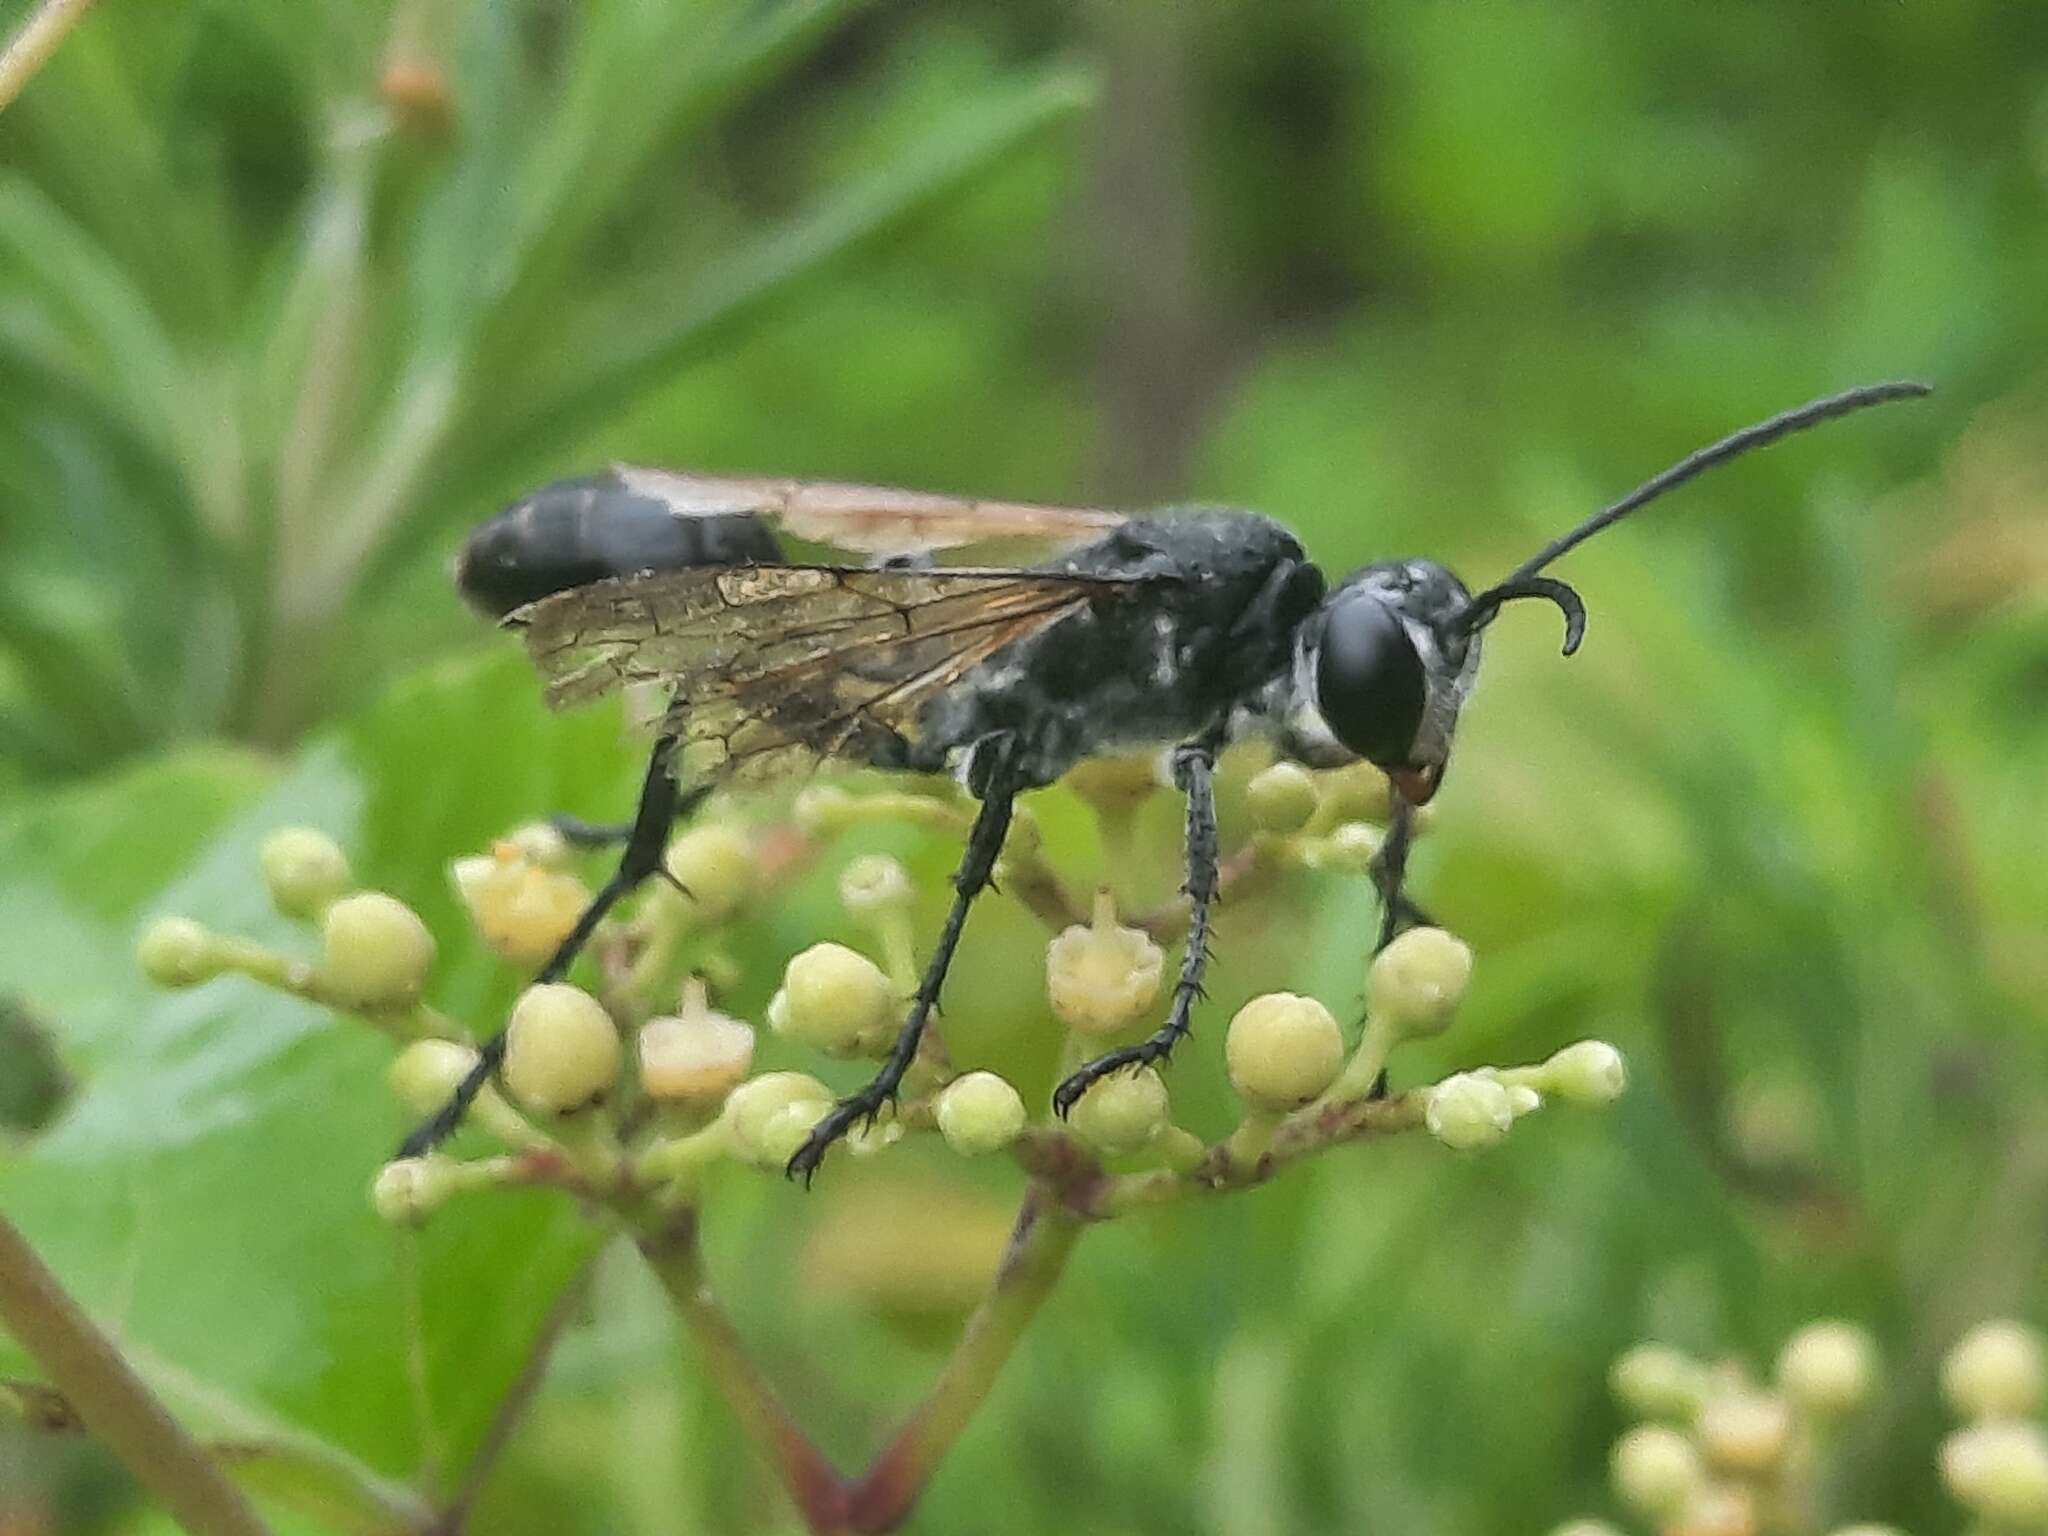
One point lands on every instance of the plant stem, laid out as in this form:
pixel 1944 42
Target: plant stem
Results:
pixel 31 46
pixel 1039 1245
pixel 820 1494
pixel 115 1405
pixel 517 1399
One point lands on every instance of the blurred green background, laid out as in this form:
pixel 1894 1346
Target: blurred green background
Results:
pixel 294 291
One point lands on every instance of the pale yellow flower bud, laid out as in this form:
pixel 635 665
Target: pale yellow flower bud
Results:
pixel 1999 1468
pixel 1866 1528
pixel 408 1191
pixel 697 1056
pixel 1123 1112
pixel 1995 1372
pixel 1418 982
pixel 1282 1050
pixel 770 1116
pixel 1655 1381
pixel 823 808
pixel 1590 1072
pixel 304 870
pixel 522 909
pixel 1828 1369
pixel 177 952
pixel 561 1049
pixel 1350 847
pixel 1585 1528
pixel 1744 1434
pixel 875 886
pixel 426 1072
pixel 1725 1510
pixel 716 865
pixel 1282 798
pixel 542 843
pixel 1356 792
pixel 1102 978
pixel 979 1112
pixel 375 951
pixel 1117 782
pixel 835 1000
pixel 1468 1111
pixel 1656 1471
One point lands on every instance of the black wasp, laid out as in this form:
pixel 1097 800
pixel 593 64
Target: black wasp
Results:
pixel 1181 629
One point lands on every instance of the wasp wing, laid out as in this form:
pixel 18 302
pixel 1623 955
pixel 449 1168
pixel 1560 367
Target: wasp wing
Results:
pixel 771 667
pixel 867 519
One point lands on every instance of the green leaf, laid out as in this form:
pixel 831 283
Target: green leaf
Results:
pixel 205 1193
pixel 635 338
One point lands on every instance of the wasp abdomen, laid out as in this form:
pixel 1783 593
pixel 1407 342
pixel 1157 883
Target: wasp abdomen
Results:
pixel 573 532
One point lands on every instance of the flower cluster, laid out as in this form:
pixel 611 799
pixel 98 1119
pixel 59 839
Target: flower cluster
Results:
pixel 633 1090
pixel 1717 1453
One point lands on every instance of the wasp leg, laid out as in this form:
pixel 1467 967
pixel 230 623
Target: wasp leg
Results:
pixel 1389 869
pixel 578 833
pixel 1194 768
pixel 998 792
pixel 662 800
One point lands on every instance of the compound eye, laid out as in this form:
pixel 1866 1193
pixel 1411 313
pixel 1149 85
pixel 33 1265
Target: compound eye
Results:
pixel 1369 681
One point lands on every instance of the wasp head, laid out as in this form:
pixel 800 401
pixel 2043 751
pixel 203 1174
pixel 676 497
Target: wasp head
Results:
pixel 1381 669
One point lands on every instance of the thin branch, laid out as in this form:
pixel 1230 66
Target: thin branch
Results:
pixel 816 1487
pixel 30 47
pixel 511 1409
pixel 1036 1257
pixel 115 1405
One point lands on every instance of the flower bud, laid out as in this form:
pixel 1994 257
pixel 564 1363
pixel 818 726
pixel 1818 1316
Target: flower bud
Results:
pixel 1115 782
pixel 1828 1369
pixel 1356 792
pixel 1589 1073
pixel 822 808
pixel 1122 1112
pixel 716 865
pixel 1585 1528
pixel 426 1072
pixel 979 1112
pixel 408 1191
pixel 1283 1050
pixel 1655 1470
pixel 1102 978
pixel 374 951
pixel 1994 1372
pixel 874 886
pixel 1655 1381
pixel 1468 1111
pixel 834 999
pixel 1866 1528
pixel 561 1049
pixel 1281 798
pixel 304 871
pixel 1999 1468
pixel 1725 1510
pixel 697 1056
pixel 1351 846
pixel 542 843
pixel 771 1115
pixel 1417 982
pixel 1744 1433
pixel 177 952
pixel 522 909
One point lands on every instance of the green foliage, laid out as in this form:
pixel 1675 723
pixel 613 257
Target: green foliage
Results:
pixel 1465 271
pixel 341 281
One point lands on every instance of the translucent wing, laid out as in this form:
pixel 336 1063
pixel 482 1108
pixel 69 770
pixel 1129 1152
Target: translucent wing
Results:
pixel 773 666
pixel 868 519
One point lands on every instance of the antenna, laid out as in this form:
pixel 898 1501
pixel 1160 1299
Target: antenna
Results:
pixel 1523 580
